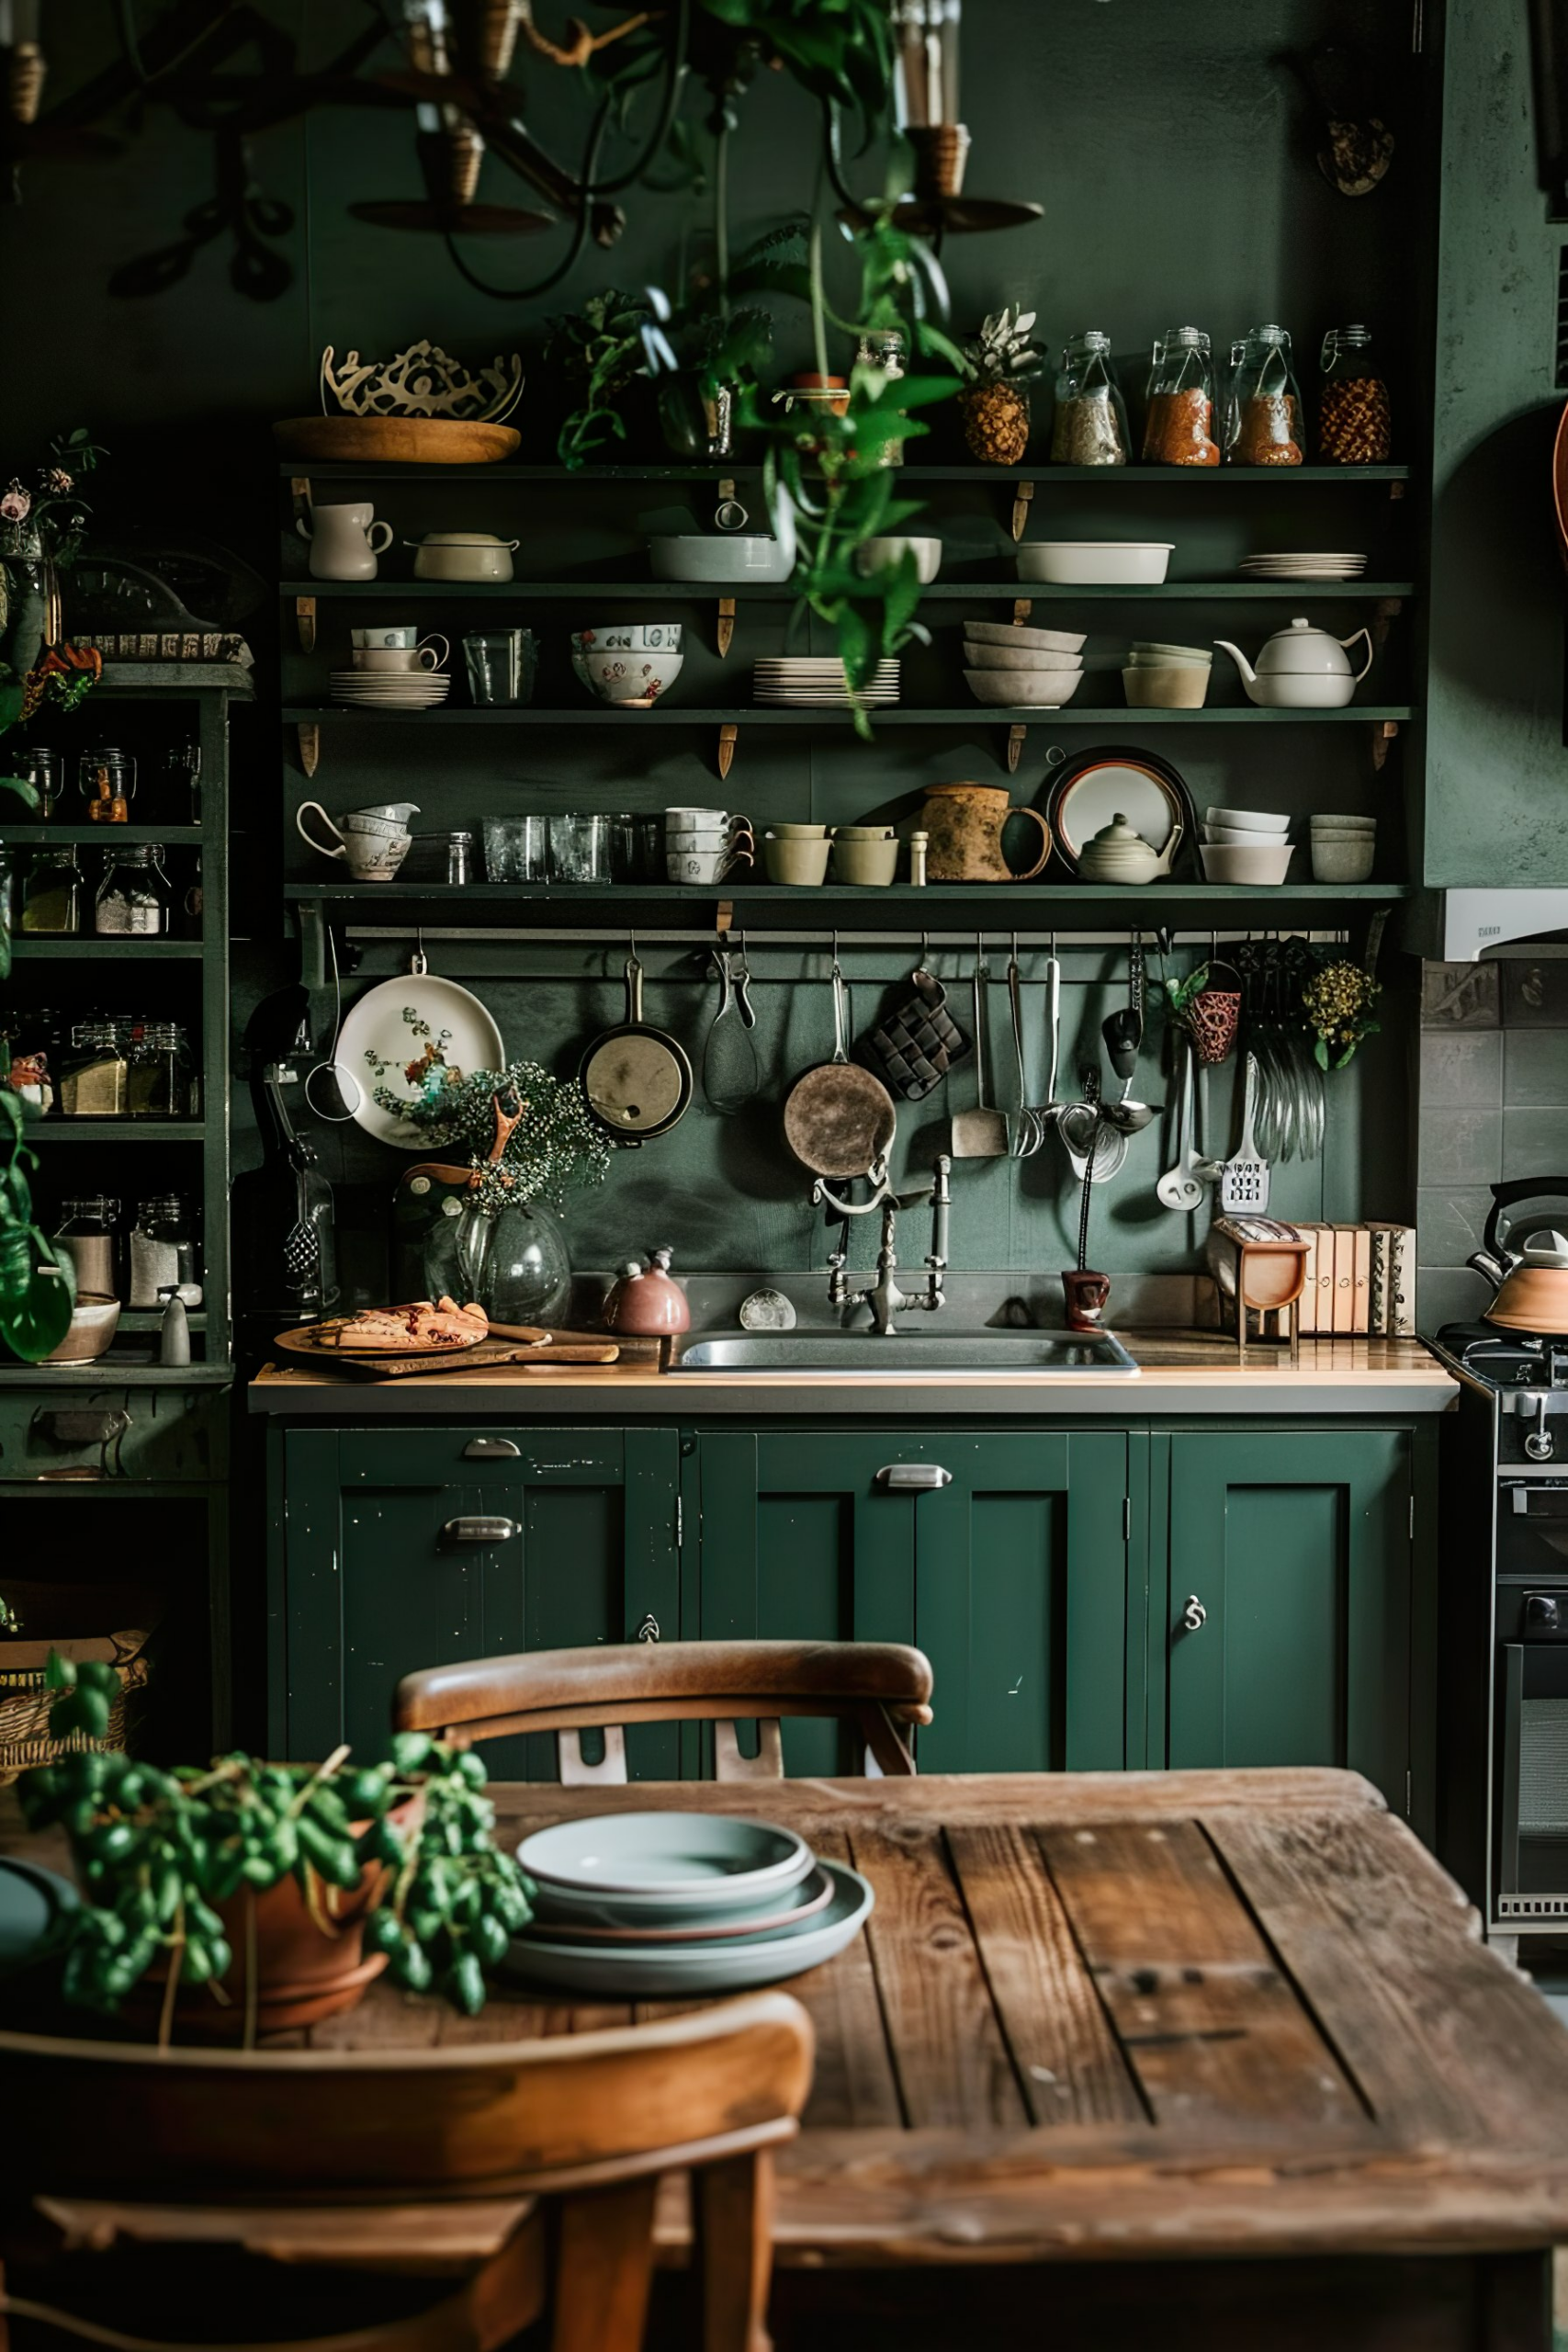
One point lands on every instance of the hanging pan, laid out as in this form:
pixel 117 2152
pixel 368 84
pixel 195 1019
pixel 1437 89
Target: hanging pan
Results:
pixel 838 1119
pixel 637 1080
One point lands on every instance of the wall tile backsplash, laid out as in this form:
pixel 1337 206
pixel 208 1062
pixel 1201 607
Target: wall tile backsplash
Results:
pixel 1493 1104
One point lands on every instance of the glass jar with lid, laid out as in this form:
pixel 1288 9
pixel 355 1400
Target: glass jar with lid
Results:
pixel 86 1235
pixel 95 1079
pixel 134 900
pixel 1179 428
pixel 1354 427
pixel 1090 427
pixel 161 1074
pixel 1263 418
pixel 163 1253
pixel 51 898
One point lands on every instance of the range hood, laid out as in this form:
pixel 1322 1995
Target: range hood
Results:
pixel 1476 924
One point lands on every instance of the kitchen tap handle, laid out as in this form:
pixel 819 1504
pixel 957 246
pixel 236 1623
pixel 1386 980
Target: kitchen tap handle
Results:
pixel 942 1200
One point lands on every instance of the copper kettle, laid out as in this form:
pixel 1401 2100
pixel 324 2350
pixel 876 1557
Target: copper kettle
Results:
pixel 1531 1279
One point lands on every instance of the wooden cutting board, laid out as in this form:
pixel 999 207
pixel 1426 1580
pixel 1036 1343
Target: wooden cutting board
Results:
pixel 483 1357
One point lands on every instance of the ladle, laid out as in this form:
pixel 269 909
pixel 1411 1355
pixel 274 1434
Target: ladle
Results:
pixel 1086 1135
pixel 1179 1188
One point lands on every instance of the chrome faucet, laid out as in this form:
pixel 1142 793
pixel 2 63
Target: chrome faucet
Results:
pixel 884 1297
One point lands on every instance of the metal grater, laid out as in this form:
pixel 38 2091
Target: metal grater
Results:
pixel 1244 1180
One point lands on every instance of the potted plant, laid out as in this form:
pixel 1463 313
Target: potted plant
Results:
pixel 37 1286
pixel 40 531
pixel 263 1885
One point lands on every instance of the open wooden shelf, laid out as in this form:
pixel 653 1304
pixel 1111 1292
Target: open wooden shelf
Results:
pixel 940 592
pixel 901 715
pixel 720 469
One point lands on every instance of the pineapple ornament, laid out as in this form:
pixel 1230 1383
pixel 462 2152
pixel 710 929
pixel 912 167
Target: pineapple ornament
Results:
pixel 1000 363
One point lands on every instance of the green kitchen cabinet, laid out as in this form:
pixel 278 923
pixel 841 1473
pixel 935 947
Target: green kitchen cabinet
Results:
pixel 398 1548
pixel 1289 1626
pixel 1002 1554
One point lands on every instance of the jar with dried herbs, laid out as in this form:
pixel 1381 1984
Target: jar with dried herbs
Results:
pixel 160 1076
pixel 1179 428
pixel 1263 418
pixel 134 898
pixel 1090 427
pixel 1353 423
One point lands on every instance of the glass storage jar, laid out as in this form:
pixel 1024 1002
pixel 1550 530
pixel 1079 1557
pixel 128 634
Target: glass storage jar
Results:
pixel 134 900
pixel 1090 427
pixel 1179 428
pixel 1354 423
pixel 163 1253
pixel 95 1080
pixel 52 901
pixel 1263 417
pixel 86 1235
pixel 161 1075
pixel 108 781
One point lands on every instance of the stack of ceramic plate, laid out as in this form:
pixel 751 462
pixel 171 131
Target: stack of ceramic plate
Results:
pixel 1303 567
pixel 804 682
pixel 650 1903
pixel 392 689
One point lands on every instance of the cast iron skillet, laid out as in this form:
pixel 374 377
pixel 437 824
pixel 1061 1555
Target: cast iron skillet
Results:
pixel 838 1119
pixel 637 1080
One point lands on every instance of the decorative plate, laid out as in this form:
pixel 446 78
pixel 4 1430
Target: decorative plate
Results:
pixel 1089 791
pixel 402 1043
pixel 643 1865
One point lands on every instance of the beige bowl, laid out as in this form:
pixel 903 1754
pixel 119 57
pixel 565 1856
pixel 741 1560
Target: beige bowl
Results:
pixel 877 555
pixel 94 1319
pixel 1044 640
pixel 1009 657
pixel 858 832
pixel 800 863
pixel 799 833
pixel 1258 866
pixel 1342 861
pixel 1182 688
pixel 865 864
pixel 1023 689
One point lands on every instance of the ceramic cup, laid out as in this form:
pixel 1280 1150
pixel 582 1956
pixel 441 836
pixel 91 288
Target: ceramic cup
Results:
pixel 801 864
pixel 1087 1295
pixel 372 842
pixel 386 636
pixel 343 542
pixel 693 843
pixel 422 656
pixel 701 820
pixel 706 865
pixel 864 863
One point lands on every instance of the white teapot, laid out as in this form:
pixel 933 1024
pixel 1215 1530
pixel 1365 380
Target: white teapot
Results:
pixel 1118 853
pixel 1300 668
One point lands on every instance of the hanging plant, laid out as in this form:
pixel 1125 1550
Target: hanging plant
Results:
pixel 1337 1003
pixel 553 1149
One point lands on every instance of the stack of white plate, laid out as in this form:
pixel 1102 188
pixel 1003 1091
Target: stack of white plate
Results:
pixel 1303 567
pixel 392 689
pixel 656 1903
pixel 801 682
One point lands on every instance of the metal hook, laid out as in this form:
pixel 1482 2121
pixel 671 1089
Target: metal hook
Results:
pixel 837 973
pixel 925 951
pixel 420 962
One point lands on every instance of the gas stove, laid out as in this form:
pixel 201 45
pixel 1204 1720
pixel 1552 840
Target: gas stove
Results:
pixel 1507 1359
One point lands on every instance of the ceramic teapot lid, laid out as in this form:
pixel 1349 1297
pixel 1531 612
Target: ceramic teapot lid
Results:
pixel 1304 647
pixel 1118 834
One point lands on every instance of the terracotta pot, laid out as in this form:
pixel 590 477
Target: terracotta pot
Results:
pixel 964 822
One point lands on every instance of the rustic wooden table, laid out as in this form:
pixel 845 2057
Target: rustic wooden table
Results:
pixel 1222 2048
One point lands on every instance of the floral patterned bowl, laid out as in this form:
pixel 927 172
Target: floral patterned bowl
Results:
pixel 628 677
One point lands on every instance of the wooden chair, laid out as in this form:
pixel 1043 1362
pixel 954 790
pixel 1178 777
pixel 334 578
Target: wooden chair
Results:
pixel 874 1685
pixel 268 2147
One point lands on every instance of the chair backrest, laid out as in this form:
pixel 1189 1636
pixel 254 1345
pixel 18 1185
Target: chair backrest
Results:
pixel 877 1686
pixel 586 2117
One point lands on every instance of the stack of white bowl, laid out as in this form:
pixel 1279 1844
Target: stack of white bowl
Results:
pixel 1022 669
pixel 1250 845
pixel 1343 848
pixel 1167 677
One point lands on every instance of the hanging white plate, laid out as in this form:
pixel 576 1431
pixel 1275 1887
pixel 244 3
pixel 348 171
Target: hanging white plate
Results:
pixel 407 1037
pixel 1119 786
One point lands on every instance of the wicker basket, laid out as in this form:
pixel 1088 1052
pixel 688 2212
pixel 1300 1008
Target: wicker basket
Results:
pixel 24 1697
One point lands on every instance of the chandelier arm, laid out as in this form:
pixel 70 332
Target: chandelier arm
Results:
pixel 578 236
pixel 674 88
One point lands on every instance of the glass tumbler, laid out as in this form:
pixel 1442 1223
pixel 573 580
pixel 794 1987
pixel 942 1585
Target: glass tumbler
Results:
pixel 502 666
pixel 580 848
pixel 636 848
pixel 514 849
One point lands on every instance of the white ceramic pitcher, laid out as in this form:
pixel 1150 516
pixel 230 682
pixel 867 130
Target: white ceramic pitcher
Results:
pixel 343 541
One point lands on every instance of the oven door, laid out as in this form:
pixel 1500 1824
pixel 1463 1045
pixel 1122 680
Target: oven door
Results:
pixel 1532 1840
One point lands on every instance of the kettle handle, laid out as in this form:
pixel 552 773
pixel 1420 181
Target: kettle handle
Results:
pixel 1519 1188
pixel 1348 641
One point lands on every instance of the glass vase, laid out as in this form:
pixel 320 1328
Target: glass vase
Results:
pixel 514 1262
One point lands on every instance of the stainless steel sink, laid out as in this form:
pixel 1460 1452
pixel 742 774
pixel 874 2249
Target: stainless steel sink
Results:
pixel 1034 1354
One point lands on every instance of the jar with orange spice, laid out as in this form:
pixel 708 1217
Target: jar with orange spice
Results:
pixel 1353 421
pixel 1263 417
pixel 1179 428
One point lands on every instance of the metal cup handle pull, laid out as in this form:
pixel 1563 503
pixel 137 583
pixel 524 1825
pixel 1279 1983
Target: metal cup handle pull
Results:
pixel 922 1476
pixel 478 1530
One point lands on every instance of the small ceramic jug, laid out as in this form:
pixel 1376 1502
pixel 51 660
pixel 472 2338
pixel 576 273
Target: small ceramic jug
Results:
pixel 647 1300
pixel 374 841
pixel 964 822
pixel 343 541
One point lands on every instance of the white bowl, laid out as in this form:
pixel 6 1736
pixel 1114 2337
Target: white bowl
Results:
pixel 876 555
pixel 1023 689
pixel 717 557
pixel 1235 837
pixel 629 637
pixel 1249 820
pixel 627 677
pixel 1139 563
pixel 1264 866
pixel 1026 657
pixel 1153 645
pixel 93 1322
pixel 1044 640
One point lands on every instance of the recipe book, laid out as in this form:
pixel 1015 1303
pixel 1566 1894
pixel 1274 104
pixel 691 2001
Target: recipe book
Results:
pixel 1360 1278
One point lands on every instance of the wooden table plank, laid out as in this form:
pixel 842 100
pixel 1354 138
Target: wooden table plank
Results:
pixel 1070 2065
pixel 853 2086
pixel 1212 2029
pixel 948 2053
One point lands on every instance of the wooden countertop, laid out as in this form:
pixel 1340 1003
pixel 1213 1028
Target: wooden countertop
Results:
pixel 1180 1373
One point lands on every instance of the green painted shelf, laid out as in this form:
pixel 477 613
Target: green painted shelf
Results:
pixel 937 895
pixel 950 592
pixel 1003 477
pixel 76 950
pixel 975 714
pixel 99 836
pixel 54 1130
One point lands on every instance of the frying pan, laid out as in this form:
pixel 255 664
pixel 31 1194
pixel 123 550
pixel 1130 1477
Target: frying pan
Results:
pixel 636 1079
pixel 838 1119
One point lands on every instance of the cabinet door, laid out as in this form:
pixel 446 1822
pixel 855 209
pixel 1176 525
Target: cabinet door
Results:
pixel 383 1573
pixel 1295 1546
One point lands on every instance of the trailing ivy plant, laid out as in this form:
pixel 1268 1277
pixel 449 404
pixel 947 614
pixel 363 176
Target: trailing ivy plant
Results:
pixel 158 1851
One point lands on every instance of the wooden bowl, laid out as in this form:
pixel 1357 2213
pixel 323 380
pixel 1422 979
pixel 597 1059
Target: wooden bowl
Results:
pixel 394 440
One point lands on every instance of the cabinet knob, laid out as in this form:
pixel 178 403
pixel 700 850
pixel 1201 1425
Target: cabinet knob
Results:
pixel 922 1475
pixel 1544 1613
pixel 478 1530
pixel 649 1630
pixel 492 1448
pixel 1194 1617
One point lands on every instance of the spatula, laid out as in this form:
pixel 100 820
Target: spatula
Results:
pixel 1243 1180
pixel 980 1133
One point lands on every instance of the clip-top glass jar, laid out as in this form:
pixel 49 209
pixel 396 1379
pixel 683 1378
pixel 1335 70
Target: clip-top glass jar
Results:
pixel 161 1079
pixel 95 1080
pixel 134 899
pixel 1263 419
pixel 87 1236
pixel 163 1253
pixel 52 899
pixel 1354 426
pixel 1178 429
pixel 1090 427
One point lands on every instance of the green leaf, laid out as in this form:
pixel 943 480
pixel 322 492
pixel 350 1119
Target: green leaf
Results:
pixel 59 1673
pixel 411 1750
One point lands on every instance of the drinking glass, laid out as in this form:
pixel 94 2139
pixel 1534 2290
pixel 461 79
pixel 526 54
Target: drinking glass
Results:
pixel 637 847
pixel 502 663
pixel 514 849
pixel 580 848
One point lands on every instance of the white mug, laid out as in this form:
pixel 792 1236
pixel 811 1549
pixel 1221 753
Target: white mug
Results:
pixel 386 636
pixel 343 541
pixel 374 841
pixel 422 656
pixel 704 865
pixel 701 821
pixel 684 844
